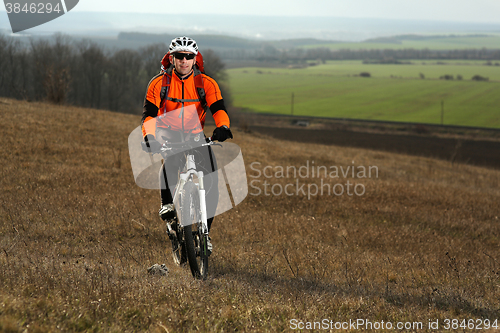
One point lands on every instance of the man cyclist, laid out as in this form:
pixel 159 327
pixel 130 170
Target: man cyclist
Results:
pixel 183 94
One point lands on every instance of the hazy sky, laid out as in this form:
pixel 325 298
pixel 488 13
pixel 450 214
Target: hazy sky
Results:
pixel 441 10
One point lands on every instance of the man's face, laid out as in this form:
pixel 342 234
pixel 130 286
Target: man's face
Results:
pixel 183 66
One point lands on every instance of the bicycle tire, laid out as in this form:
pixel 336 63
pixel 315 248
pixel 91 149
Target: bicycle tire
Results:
pixel 179 252
pixel 178 248
pixel 196 243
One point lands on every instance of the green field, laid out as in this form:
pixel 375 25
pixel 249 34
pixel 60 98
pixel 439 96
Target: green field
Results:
pixel 393 92
pixel 426 42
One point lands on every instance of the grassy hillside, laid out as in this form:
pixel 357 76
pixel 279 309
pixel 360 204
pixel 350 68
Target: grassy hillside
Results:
pixel 76 237
pixel 393 92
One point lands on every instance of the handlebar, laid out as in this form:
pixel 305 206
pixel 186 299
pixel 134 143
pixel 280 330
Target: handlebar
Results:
pixel 166 147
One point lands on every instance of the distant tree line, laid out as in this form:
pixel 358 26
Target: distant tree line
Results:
pixel 302 50
pixel 84 74
pixel 268 53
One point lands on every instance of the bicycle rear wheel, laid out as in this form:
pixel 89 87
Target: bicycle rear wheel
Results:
pixel 195 240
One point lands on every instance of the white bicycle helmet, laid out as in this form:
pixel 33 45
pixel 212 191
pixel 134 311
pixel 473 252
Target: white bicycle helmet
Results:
pixel 184 43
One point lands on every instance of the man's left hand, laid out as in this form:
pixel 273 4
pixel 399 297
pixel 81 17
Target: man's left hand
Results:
pixel 222 133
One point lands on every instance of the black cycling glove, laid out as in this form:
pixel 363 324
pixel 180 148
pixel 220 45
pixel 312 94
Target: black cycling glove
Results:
pixel 151 145
pixel 222 134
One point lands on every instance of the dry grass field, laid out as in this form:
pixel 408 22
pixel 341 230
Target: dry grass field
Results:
pixel 77 235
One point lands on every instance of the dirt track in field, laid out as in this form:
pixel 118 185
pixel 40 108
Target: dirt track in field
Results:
pixel 473 152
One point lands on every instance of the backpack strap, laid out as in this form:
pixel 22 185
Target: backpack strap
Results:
pixel 200 89
pixel 165 84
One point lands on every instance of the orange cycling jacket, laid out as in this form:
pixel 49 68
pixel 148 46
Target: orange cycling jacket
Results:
pixel 182 96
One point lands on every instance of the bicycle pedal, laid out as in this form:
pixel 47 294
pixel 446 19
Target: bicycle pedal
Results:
pixel 171 235
pixel 171 230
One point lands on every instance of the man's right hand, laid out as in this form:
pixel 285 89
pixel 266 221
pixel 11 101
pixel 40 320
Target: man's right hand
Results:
pixel 150 144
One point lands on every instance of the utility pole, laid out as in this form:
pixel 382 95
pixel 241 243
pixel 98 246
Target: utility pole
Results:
pixel 442 113
pixel 292 104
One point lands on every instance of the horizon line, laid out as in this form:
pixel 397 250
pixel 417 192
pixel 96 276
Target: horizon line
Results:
pixel 292 16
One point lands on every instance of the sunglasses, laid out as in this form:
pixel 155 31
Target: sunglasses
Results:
pixel 181 56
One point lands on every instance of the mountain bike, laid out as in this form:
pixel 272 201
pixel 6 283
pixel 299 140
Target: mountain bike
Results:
pixel 188 232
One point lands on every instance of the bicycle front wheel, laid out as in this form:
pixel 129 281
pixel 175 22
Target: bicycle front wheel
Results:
pixel 178 245
pixel 196 241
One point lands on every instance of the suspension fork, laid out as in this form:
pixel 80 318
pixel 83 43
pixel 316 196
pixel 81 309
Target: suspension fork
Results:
pixel 191 166
pixel 190 170
pixel 203 204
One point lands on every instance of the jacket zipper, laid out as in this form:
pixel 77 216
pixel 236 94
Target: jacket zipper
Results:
pixel 182 110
